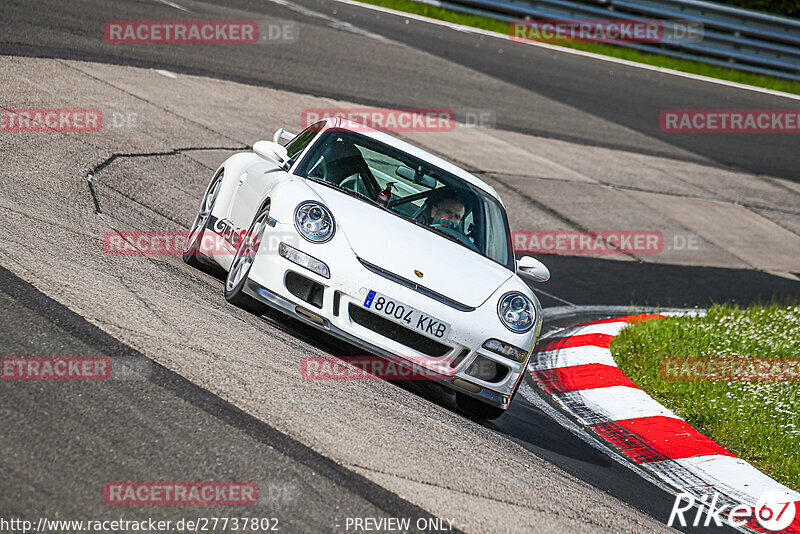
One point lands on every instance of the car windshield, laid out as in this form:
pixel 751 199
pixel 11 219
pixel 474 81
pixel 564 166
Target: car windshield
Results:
pixel 412 189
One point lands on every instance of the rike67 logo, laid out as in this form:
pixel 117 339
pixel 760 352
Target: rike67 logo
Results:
pixel 774 511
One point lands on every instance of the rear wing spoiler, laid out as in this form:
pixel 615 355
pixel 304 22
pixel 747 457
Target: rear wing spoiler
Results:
pixel 280 133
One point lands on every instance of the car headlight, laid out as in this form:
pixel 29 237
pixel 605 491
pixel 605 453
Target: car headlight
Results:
pixel 314 222
pixel 516 312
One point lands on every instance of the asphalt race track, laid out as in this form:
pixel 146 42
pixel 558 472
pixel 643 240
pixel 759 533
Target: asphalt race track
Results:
pixel 153 401
pixel 543 92
pixel 209 392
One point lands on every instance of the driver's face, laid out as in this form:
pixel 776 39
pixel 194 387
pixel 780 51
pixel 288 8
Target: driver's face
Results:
pixel 450 209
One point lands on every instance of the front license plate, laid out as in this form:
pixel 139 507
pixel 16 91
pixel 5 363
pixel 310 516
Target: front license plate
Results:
pixel 406 315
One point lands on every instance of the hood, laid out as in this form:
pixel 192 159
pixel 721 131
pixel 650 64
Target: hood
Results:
pixel 401 247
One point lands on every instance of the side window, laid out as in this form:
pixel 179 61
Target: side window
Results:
pixel 497 236
pixel 300 142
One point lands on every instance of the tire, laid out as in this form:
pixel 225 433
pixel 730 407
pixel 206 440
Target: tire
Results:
pixel 477 408
pixel 191 252
pixel 242 262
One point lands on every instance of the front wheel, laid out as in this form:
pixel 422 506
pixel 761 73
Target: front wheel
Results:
pixel 191 253
pixel 477 408
pixel 242 262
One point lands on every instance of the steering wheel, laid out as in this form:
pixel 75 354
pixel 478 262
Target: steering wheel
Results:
pixel 353 183
pixel 350 183
pixel 458 234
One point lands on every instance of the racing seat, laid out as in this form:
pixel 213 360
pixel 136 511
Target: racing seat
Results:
pixel 341 160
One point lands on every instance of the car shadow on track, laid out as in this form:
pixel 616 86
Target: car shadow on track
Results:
pixel 525 424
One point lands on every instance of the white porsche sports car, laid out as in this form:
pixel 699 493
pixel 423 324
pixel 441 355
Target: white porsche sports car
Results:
pixel 380 244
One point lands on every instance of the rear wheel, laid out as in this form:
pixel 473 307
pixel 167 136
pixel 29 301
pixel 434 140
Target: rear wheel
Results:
pixel 191 253
pixel 242 262
pixel 477 408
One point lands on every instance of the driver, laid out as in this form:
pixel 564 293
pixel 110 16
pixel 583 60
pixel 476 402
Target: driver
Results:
pixel 446 208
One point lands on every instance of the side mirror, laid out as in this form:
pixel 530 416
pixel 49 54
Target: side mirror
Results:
pixel 280 133
pixel 272 151
pixel 533 269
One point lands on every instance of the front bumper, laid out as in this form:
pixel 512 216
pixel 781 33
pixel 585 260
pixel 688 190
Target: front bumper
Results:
pixel 280 303
pixel 348 284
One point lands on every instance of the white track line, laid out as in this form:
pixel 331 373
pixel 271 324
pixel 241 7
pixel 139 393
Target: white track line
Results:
pixel 332 21
pixel 568 357
pixel 166 73
pixel 731 472
pixel 173 4
pixel 615 403
pixel 580 432
pixel 611 329
pixel 478 31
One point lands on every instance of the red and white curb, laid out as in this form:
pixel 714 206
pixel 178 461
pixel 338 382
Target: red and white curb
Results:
pixel 575 367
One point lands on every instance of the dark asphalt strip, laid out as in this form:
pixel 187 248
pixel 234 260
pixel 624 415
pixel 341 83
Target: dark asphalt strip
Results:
pixel 624 95
pixel 593 280
pixel 345 67
pixel 506 122
pixel 92 336
pixel 511 124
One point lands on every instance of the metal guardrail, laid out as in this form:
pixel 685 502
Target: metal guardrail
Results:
pixel 736 38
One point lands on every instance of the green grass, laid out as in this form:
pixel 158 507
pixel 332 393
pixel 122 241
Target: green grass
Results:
pixel 757 420
pixel 693 67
